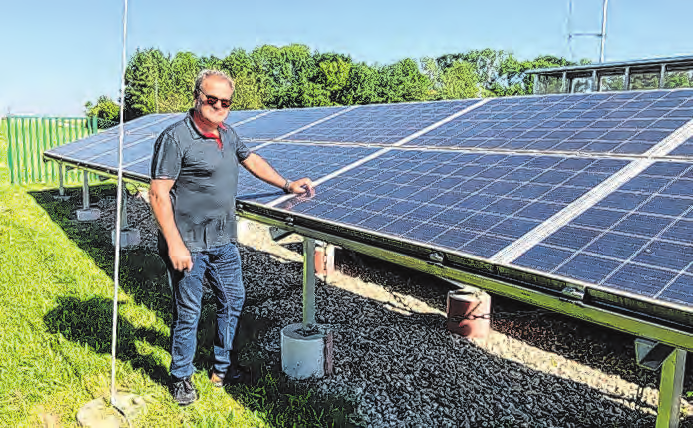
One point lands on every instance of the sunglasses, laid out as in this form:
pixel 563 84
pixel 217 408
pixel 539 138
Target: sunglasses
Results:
pixel 212 100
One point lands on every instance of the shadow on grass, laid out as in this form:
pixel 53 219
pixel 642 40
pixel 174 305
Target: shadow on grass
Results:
pixel 88 322
pixel 143 278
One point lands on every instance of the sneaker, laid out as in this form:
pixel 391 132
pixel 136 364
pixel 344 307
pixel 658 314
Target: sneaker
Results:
pixel 183 391
pixel 236 375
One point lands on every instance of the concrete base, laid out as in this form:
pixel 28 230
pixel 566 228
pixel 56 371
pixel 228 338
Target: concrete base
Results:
pixel 90 214
pixel 305 356
pixel 128 237
pixel 62 197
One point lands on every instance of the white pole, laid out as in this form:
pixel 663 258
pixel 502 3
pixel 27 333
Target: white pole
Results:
pixel 119 207
pixel 603 35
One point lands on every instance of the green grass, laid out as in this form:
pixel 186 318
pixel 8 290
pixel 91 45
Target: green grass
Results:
pixel 55 326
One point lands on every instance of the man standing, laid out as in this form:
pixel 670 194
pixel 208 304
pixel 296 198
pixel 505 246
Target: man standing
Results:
pixel 194 175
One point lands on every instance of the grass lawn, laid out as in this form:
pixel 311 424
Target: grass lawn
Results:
pixel 56 292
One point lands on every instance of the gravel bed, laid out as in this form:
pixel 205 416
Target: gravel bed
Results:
pixel 394 359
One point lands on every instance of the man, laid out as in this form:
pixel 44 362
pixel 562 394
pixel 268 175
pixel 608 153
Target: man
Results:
pixel 194 174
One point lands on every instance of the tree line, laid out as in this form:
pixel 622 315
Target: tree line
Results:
pixel 275 77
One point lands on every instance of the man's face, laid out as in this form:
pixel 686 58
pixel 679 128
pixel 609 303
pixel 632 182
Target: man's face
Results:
pixel 218 87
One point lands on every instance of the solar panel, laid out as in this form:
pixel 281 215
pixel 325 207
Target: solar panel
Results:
pixel 296 161
pixel 638 239
pixel 481 202
pixel 468 202
pixel 620 123
pixel 386 123
pixel 279 122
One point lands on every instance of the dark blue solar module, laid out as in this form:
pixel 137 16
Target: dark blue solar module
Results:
pixel 637 239
pixel 296 161
pixel 386 123
pixel 685 149
pixel 236 116
pixel 623 123
pixel 279 122
pixel 466 202
pixel 104 141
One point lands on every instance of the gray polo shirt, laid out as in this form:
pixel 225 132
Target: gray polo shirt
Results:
pixel 206 181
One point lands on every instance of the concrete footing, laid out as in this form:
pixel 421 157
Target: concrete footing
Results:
pixel 89 214
pixel 128 237
pixel 305 354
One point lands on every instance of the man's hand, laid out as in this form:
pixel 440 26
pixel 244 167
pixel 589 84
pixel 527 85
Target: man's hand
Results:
pixel 302 186
pixel 180 257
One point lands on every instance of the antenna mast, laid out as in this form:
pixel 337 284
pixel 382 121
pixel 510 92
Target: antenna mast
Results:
pixel 601 35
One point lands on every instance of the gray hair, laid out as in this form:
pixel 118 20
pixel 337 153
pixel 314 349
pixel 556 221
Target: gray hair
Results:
pixel 207 73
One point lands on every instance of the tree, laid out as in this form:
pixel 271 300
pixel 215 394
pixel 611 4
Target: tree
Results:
pixel 403 81
pixel 106 111
pixel 460 80
pixel 361 86
pixel 147 74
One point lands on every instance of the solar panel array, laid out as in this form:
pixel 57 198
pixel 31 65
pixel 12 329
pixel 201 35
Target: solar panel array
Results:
pixel 592 188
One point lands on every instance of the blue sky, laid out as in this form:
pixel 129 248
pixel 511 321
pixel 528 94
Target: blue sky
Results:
pixel 58 55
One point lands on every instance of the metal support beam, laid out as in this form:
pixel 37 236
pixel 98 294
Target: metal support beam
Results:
pixel 626 79
pixel 595 81
pixel 670 389
pixel 61 189
pixel 535 84
pixel 662 75
pixel 124 212
pixel 564 82
pixel 308 283
pixel 85 190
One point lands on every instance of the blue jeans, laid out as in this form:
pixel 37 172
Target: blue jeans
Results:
pixel 221 266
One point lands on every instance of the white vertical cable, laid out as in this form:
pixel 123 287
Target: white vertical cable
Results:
pixel 119 205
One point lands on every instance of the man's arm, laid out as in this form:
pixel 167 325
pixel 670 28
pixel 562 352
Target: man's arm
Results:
pixel 261 169
pixel 163 212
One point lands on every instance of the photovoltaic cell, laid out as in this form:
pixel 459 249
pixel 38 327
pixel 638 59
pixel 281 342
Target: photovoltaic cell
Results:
pixel 621 123
pixel 638 239
pixel 280 122
pixel 236 116
pixel 296 161
pixel 466 202
pixel 381 123
pixel 685 149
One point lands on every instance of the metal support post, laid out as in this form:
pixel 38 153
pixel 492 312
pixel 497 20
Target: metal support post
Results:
pixel 124 212
pixel 85 190
pixel 61 189
pixel 308 283
pixel 670 389
pixel 626 80
pixel 595 81
pixel 564 81
pixel 535 89
pixel 662 75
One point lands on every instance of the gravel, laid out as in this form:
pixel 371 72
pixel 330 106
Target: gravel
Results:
pixel 394 359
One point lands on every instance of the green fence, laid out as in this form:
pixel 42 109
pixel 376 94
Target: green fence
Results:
pixel 28 137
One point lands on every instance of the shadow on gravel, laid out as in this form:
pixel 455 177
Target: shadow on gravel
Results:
pixel 143 278
pixel 607 350
pixel 407 365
